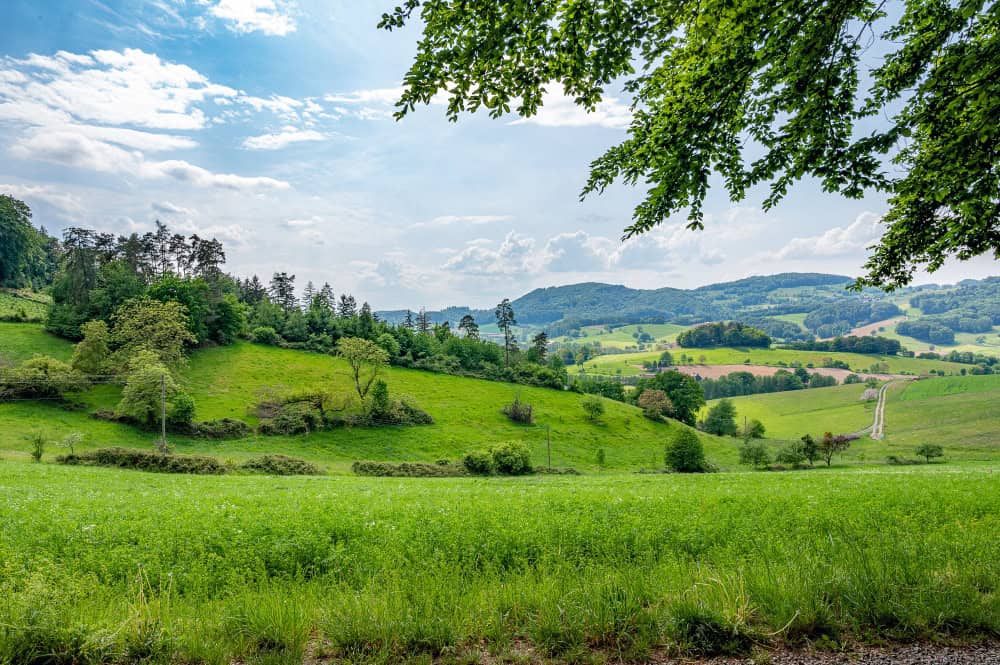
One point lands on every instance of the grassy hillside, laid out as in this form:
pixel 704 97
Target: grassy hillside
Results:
pixel 631 363
pixel 789 415
pixel 960 413
pixel 621 338
pixel 224 382
pixel 30 307
pixel 20 341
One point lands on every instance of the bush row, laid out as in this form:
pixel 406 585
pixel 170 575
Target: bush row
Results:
pixel 147 460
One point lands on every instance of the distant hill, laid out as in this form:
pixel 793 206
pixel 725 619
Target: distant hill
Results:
pixel 594 302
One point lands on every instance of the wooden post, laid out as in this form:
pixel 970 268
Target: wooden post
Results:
pixel 163 413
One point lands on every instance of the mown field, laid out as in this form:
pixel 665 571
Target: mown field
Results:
pixel 224 382
pixel 13 305
pixel 621 337
pixel 631 363
pixel 102 565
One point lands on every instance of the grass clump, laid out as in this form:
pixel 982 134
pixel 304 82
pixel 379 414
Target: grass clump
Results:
pixel 280 465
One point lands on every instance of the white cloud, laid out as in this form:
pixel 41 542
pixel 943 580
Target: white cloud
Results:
pixel 561 111
pixel 373 96
pixel 577 252
pixel 79 151
pixel 284 138
pixel 838 241
pixel 57 198
pixel 464 220
pixel 168 208
pixel 513 255
pixel 270 17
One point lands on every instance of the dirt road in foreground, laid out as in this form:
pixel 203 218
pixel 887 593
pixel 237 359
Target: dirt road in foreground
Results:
pixel 910 654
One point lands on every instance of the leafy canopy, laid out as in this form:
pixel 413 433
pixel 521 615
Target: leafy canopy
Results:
pixel 762 93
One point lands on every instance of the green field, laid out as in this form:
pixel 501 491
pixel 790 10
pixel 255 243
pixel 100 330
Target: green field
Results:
pixel 224 382
pixel 789 415
pixel 20 341
pixel 101 565
pixel 963 342
pixel 621 337
pixel 631 363
pixel 30 308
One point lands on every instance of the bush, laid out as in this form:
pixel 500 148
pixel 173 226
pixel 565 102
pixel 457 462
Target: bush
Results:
pixel 929 451
pixel 685 453
pixel 519 412
pixel 41 377
pixel 225 428
pixel 793 454
pixel 755 430
pixel 655 403
pixel 38 442
pixel 754 453
pixel 265 335
pixel 512 458
pixel 593 407
pixel 146 460
pixel 293 418
pixel 479 463
pixel 280 465
pixel 721 419
pixel 409 469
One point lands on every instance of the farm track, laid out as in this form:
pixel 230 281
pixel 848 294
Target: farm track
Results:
pixel 877 429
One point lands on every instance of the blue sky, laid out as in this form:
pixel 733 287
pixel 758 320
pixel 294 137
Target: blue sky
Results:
pixel 267 123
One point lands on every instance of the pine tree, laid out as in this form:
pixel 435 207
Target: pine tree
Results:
pixel 327 296
pixel 283 291
pixel 506 321
pixel 408 320
pixel 469 327
pixel 348 307
pixel 423 322
pixel 308 294
pixel 540 347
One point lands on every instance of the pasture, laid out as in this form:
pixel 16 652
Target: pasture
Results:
pixel 621 337
pixel 103 564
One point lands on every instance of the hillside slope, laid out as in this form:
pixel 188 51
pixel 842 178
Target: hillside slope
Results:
pixel 224 382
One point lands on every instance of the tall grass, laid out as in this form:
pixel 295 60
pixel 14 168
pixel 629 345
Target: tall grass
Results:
pixel 100 564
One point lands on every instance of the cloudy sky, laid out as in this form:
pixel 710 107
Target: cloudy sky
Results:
pixel 267 124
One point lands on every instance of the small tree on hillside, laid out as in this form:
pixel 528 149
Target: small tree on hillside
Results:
pixel 810 449
pixel 655 404
pixel 754 453
pixel 754 430
pixel 539 348
pixel 721 419
pixel 366 359
pixel 91 354
pixel 930 451
pixel 160 327
pixel 593 406
pixel 148 384
pixel 832 444
pixel 469 327
pixel 506 322
pixel 685 453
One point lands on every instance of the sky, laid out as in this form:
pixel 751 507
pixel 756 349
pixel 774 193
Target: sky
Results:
pixel 268 124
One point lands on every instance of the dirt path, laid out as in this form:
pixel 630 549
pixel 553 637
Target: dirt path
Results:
pixel 910 654
pixel 877 429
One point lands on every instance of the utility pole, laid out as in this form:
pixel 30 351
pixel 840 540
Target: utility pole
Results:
pixel 163 413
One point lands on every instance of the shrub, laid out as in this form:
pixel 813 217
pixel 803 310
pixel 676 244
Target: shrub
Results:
pixel 512 458
pixel 409 469
pixel 755 430
pixel 280 465
pixel 721 419
pixel 146 460
pixel 38 442
pixel 224 428
pixel 518 411
pixel 479 463
pixel 265 335
pixel 378 400
pixel 792 454
pixel 754 453
pixel 41 377
pixel 602 457
pixel 294 418
pixel 685 453
pixel 147 383
pixel 655 404
pixel 929 451
pixel 593 406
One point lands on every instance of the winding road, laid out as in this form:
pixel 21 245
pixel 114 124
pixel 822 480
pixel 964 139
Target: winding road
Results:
pixel 877 429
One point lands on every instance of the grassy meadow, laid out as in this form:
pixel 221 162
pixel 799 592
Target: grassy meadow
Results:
pixel 100 564
pixel 630 364
pixel 621 337
pixel 15 305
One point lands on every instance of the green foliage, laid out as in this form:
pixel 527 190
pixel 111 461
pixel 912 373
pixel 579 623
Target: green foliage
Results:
pixel 655 404
pixel 146 460
pixel 512 458
pixel 378 401
pixel 413 470
pixel 832 444
pixel 754 453
pixel 280 465
pixel 685 394
pixel 151 325
pixel 793 454
pixel 685 453
pixel 731 333
pixel 265 335
pixel 721 419
pixel 478 463
pixel 366 359
pixel 91 355
pixel 755 430
pixel 38 442
pixel 223 428
pixel 602 458
pixel 147 383
pixel 593 406
pixel 810 449
pixel 788 81
pixel 929 451
pixel 518 411
pixel 40 377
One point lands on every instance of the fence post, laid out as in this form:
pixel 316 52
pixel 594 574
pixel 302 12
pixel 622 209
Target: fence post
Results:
pixel 163 413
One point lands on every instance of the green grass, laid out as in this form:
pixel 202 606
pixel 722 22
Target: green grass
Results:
pixel 32 306
pixel 789 415
pixel 631 363
pixel 960 413
pixel 101 564
pixel 20 341
pixel 621 337
pixel 963 342
pixel 799 318
pixel 224 382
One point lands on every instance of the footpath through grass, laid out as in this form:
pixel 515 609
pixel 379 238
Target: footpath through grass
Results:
pixel 100 564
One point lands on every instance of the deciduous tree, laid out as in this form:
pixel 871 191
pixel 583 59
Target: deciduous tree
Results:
pixel 366 360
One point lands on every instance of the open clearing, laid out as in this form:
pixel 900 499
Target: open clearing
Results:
pixel 716 371
pixel 251 569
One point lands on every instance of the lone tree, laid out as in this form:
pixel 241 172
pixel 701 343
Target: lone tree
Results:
pixel 831 444
pixel 721 419
pixel 929 451
pixel 685 453
pixel 810 449
pixel 366 359
pixel 593 406
pixel 469 327
pixel 506 322
pixel 761 93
